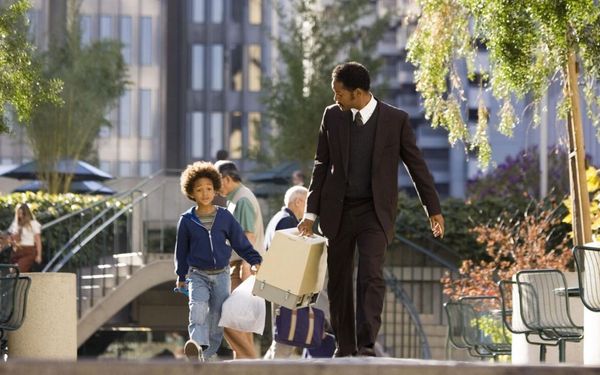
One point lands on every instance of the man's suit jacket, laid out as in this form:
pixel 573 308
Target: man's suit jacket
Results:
pixel 394 142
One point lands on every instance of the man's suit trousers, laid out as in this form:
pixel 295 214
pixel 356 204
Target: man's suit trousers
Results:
pixel 359 229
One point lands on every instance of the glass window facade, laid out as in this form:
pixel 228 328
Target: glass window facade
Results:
pixel 197 67
pixel 145 115
pixel 146 168
pixel 254 121
pixel 125 114
pixel 105 29
pixel 125 169
pixel 216 132
pixel 235 136
pixel 126 38
pixel 216 14
pixel 197 138
pixel 146 41
pixel 198 10
pixel 217 67
pixel 255 12
pixel 85 28
pixel 254 67
pixel 237 73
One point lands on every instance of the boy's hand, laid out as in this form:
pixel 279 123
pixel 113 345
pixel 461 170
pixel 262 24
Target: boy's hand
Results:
pixel 437 225
pixel 254 269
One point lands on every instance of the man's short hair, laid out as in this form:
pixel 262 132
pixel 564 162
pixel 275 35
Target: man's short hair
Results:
pixel 293 193
pixel 352 75
pixel 227 168
pixel 222 155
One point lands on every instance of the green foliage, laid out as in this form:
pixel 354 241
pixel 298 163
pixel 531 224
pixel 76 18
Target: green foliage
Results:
pixel 460 217
pixel 94 78
pixel 520 176
pixel 528 44
pixel 22 87
pixel 493 328
pixel 309 47
pixel 47 207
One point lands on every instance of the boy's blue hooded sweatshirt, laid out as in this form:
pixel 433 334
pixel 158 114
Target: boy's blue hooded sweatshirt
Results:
pixel 198 247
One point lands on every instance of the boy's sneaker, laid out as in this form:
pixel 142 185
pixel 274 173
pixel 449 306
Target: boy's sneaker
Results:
pixel 193 351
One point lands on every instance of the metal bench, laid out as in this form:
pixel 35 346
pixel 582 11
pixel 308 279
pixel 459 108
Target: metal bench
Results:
pixel 13 302
pixel 587 260
pixel 544 305
pixel 475 324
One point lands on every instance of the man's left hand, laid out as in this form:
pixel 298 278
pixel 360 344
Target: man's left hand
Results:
pixel 437 225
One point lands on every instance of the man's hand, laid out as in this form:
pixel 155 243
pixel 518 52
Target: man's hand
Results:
pixel 254 269
pixel 305 227
pixel 437 225
pixel 180 284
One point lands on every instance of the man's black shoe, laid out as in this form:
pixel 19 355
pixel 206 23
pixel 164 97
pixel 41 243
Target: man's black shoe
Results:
pixel 366 351
pixel 338 354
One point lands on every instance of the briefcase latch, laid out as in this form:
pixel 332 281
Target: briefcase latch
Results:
pixel 287 295
pixel 262 285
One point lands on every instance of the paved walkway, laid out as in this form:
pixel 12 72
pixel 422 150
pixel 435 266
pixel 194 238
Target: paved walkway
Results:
pixel 341 366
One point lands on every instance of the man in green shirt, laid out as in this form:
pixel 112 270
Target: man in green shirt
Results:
pixel 242 203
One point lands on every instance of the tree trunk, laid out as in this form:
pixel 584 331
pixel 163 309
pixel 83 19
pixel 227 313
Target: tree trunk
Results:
pixel 580 198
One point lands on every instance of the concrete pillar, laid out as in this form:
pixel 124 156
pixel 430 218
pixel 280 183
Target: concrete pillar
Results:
pixel 49 330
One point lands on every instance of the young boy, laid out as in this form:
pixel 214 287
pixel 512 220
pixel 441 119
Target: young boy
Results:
pixel 202 254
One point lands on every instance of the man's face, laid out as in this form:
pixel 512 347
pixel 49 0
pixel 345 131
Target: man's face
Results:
pixel 226 185
pixel 343 97
pixel 297 205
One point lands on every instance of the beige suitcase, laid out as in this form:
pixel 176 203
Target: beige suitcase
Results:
pixel 293 270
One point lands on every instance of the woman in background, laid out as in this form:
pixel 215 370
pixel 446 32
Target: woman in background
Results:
pixel 26 239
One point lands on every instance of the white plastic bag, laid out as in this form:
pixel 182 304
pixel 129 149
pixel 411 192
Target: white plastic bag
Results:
pixel 244 311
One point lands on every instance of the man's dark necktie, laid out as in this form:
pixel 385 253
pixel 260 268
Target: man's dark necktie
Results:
pixel 358 120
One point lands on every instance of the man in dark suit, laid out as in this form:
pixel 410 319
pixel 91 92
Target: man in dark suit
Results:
pixel 354 191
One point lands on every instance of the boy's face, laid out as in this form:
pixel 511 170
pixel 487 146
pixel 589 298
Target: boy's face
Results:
pixel 204 191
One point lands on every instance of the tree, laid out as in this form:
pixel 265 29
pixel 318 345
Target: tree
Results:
pixel 530 44
pixel 528 241
pixel 94 78
pixel 520 176
pixel 309 46
pixel 22 87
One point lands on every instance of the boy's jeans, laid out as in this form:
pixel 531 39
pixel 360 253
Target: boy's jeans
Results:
pixel 207 294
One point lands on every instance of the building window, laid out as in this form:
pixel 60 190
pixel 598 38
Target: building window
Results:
pixel 33 22
pixel 125 169
pixel 254 12
pixel 216 132
pixel 237 75
pixel 105 165
pixel 197 146
pixel 197 67
pixel 146 41
pixel 145 116
pixel 106 31
pixel 85 28
pixel 126 38
pixel 254 68
pixel 217 67
pixel 198 10
pixel 254 131
pixel 217 11
pixel 237 12
pixel 146 168
pixel 125 114
pixel 235 136
pixel 104 131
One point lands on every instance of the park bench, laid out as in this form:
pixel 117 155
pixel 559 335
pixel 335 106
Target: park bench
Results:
pixel 13 301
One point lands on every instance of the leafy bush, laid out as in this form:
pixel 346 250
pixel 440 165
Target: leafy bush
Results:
pixel 47 207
